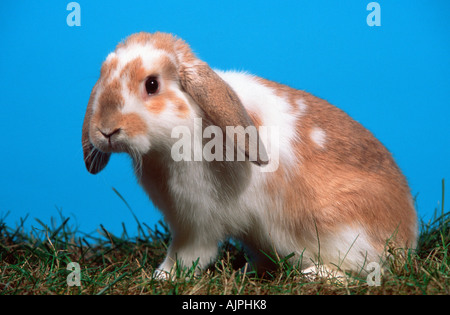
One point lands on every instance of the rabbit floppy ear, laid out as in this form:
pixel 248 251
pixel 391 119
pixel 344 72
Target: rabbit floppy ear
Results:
pixel 222 106
pixel 94 159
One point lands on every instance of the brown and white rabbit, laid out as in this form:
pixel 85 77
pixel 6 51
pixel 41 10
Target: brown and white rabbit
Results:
pixel 331 193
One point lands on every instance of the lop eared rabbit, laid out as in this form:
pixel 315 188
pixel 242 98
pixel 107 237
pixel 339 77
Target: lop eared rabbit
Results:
pixel 334 198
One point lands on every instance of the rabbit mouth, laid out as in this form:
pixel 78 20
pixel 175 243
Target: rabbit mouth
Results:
pixel 117 140
pixel 109 140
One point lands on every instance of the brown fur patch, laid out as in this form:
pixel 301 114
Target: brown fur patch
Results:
pixel 110 99
pixel 168 68
pixel 133 125
pixel 353 181
pixel 135 73
pixel 156 103
pixel 108 67
pixel 164 42
pixel 107 114
pixel 255 118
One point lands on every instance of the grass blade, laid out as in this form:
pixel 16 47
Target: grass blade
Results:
pixel 140 229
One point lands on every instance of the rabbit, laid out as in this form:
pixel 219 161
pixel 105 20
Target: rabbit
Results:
pixel 323 189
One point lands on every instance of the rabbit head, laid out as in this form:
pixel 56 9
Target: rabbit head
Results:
pixel 147 86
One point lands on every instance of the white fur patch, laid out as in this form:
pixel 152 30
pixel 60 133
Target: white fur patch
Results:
pixel 348 248
pixel 302 107
pixel 318 135
pixel 274 112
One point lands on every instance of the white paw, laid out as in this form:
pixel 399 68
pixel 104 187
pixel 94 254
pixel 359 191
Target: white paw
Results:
pixel 314 273
pixel 160 274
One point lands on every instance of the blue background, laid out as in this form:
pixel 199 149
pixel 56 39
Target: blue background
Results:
pixel 394 79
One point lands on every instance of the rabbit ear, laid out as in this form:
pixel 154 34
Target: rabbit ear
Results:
pixel 94 159
pixel 222 106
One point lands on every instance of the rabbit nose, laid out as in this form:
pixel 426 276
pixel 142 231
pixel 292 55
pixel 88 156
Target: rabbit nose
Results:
pixel 109 134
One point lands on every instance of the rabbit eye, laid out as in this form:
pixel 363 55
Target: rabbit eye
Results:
pixel 151 85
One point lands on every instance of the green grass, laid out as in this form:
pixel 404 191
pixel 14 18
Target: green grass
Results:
pixel 35 263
